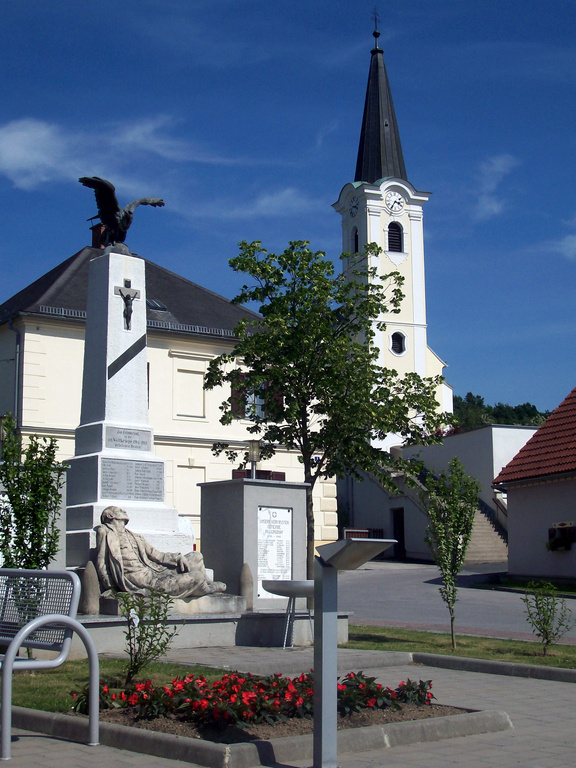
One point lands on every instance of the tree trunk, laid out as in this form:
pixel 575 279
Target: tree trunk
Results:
pixel 310 548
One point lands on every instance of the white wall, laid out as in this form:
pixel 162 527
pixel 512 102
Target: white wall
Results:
pixel 483 452
pixel 532 510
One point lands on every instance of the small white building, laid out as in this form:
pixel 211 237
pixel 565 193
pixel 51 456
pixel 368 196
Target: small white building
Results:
pixel 483 452
pixel 540 483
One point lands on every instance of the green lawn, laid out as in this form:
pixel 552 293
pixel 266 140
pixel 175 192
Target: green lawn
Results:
pixel 517 651
pixel 50 689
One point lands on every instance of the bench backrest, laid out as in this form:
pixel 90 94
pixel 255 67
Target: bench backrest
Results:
pixel 27 594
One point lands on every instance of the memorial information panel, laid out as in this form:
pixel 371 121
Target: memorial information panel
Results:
pixel 132 480
pixel 130 439
pixel 274 546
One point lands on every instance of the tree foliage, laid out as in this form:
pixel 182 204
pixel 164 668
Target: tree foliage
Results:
pixel 32 479
pixel 148 635
pixel 547 613
pixel 451 501
pixel 307 373
pixel 471 412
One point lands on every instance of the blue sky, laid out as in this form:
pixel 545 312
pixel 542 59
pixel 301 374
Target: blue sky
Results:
pixel 245 116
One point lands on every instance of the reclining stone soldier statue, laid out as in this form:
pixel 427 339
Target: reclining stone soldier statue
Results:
pixel 126 562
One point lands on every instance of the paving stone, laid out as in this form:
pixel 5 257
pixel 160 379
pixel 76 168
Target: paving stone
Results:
pixel 543 713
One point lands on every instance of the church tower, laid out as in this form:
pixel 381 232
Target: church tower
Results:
pixel 381 206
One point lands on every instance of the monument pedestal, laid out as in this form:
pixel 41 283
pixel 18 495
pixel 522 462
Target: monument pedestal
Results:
pixel 219 604
pixel 258 522
pixel 114 462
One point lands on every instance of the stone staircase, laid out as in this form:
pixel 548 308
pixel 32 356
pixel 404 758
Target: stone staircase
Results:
pixel 487 545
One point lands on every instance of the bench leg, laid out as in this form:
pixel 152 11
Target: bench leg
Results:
pixel 6 714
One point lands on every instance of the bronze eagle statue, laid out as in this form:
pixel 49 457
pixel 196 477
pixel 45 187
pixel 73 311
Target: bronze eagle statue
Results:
pixel 116 220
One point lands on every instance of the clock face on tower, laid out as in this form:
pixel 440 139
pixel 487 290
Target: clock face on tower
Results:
pixel 353 210
pixel 394 201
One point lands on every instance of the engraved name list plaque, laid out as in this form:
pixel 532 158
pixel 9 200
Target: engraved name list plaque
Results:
pixel 132 480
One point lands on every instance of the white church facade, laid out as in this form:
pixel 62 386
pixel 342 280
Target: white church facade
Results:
pixel 382 206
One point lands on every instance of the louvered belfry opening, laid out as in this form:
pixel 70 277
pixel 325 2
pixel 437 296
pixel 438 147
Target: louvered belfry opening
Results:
pixel 395 237
pixel 398 343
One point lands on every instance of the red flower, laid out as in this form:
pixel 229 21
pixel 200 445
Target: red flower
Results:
pixel 371 702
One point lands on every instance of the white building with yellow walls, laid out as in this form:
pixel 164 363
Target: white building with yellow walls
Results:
pixel 41 363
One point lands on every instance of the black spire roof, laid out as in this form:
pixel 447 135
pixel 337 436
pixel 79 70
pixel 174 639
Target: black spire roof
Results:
pixel 380 151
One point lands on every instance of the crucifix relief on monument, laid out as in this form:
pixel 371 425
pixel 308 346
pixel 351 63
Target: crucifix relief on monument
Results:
pixel 128 294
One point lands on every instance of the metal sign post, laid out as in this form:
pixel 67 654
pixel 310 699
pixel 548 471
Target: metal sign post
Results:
pixel 343 555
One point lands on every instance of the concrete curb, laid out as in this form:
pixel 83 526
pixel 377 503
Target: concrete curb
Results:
pixel 262 752
pixel 557 674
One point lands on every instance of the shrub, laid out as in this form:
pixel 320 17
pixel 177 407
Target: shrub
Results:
pixel 148 635
pixel 547 613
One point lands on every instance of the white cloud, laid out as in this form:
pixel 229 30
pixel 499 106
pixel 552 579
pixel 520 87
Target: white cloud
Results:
pixel 34 152
pixel 566 247
pixel 283 202
pixel 325 131
pixel 491 174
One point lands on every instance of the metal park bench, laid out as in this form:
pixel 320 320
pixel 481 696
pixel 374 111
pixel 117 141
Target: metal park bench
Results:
pixel 38 611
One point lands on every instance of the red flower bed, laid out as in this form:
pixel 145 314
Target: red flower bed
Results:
pixel 244 699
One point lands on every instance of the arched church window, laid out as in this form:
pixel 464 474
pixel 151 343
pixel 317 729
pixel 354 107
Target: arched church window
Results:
pixel 398 343
pixel 395 237
pixel 355 242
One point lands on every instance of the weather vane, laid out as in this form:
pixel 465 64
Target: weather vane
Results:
pixel 376 17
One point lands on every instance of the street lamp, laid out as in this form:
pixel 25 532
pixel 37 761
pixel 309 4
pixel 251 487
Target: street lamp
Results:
pixel 342 555
pixel 254 456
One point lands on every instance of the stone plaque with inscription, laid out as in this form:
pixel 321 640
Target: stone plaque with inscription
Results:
pixel 132 480
pixel 274 546
pixel 130 439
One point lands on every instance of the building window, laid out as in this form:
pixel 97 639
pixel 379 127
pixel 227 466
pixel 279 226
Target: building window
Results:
pixel 247 404
pixel 398 343
pixel 395 237
pixel 355 243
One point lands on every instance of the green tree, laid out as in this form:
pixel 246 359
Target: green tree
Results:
pixel 307 375
pixel 471 412
pixel 147 633
pixel 451 501
pixel 547 613
pixel 32 479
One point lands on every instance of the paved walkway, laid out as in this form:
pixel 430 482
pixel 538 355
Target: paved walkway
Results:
pixel 543 713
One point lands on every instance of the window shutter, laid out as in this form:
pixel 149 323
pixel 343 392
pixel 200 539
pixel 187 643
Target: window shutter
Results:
pixel 237 400
pixel 395 237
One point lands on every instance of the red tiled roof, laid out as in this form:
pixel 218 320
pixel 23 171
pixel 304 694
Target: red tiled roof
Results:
pixel 550 451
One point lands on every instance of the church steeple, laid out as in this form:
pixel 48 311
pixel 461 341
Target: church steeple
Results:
pixel 380 151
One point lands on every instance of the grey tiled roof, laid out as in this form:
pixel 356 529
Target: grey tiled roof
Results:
pixel 190 308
